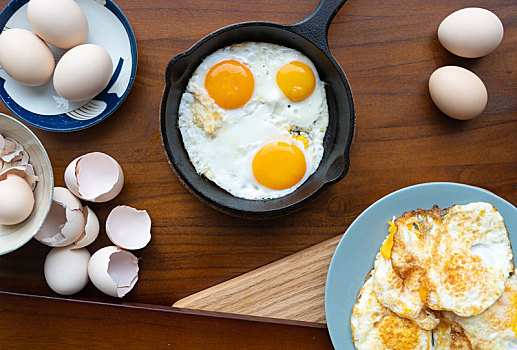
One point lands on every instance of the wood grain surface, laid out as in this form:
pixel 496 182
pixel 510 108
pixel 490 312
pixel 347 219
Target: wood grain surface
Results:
pixel 388 49
pixel 292 288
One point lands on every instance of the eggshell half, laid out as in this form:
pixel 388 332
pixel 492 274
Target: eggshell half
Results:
pixel 65 221
pixel 458 92
pixel 113 271
pixel 471 32
pixel 94 177
pixel 91 229
pixel 66 270
pixel 129 228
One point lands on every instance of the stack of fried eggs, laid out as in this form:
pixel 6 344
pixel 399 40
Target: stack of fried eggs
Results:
pixel 443 279
pixel 253 119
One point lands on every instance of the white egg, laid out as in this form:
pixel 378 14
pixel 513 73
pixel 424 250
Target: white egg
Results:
pixel 66 269
pixel 471 32
pixel 25 57
pixel 224 143
pixel 83 72
pixel 16 200
pixel 61 23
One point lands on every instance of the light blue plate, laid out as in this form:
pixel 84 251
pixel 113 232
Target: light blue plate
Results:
pixel 41 106
pixel 355 253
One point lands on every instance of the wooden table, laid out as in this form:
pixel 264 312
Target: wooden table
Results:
pixel 388 49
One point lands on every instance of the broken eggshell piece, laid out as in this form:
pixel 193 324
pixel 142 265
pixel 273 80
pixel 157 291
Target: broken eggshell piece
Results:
pixel 91 229
pixel 113 271
pixel 94 177
pixel 128 228
pixel 24 171
pixel 65 221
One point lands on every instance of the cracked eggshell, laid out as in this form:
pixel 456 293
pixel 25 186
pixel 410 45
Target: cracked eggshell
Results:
pixel 24 171
pixel 128 228
pixel 65 222
pixel 66 270
pixel 113 271
pixel 91 229
pixel 94 177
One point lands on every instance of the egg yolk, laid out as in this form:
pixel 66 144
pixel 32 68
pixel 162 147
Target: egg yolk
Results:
pixel 388 244
pixel 303 139
pixel 230 83
pixel 279 165
pixel 296 80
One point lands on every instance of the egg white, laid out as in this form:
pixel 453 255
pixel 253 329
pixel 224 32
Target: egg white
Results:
pixel 222 148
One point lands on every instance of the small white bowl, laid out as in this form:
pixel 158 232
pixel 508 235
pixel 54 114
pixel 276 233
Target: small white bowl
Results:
pixel 13 237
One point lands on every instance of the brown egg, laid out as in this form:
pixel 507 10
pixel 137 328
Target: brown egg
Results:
pixel 458 92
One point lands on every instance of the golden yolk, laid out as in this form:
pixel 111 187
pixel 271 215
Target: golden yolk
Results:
pixel 303 139
pixel 513 313
pixel 398 333
pixel 388 244
pixel 279 165
pixel 296 80
pixel 230 83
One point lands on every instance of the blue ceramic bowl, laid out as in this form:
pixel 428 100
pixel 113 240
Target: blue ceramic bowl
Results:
pixel 41 106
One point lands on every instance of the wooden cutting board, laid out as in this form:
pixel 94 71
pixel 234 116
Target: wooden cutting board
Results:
pixel 291 288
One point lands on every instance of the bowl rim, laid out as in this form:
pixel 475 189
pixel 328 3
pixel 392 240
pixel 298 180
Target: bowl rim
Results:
pixel 45 154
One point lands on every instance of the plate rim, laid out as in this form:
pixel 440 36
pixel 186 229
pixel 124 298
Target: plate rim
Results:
pixel 111 6
pixel 332 265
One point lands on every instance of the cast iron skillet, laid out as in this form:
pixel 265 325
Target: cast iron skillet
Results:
pixel 309 37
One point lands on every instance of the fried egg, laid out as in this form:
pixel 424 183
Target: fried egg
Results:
pixel 496 327
pixel 461 255
pixel 253 119
pixel 376 327
pixel 400 296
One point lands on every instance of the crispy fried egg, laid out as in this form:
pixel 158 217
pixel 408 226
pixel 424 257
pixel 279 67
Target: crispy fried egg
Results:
pixel 461 256
pixel 253 119
pixel 375 327
pixel 402 297
pixel 496 327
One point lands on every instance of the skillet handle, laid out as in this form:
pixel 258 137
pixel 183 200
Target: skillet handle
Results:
pixel 315 27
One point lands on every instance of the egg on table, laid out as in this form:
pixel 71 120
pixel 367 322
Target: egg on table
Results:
pixel 253 119
pixel 471 32
pixel 458 92
pixel 376 327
